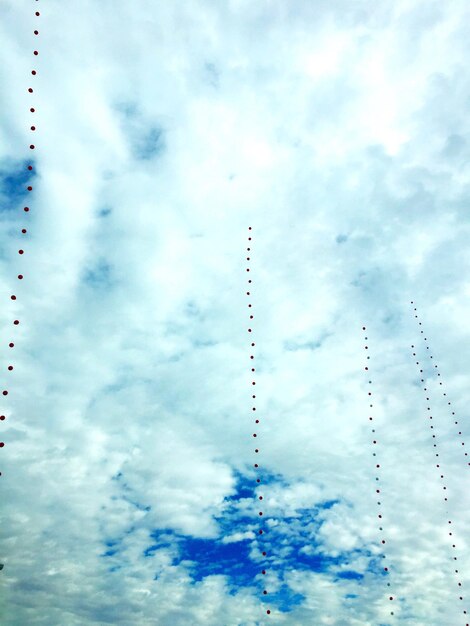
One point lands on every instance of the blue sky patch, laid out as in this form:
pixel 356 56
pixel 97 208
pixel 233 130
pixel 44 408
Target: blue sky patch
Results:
pixel 284 544
pixel 350 575
pixel 99 275
pixel 14 178
pixel 149 144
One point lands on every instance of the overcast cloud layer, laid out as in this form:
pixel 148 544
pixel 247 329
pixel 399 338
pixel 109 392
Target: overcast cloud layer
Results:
pixel 337 131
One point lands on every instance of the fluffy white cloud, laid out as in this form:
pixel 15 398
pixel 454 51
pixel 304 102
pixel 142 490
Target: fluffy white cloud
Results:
pixel 339 132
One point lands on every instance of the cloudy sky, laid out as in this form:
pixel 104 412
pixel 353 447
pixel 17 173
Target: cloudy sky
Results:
pixel 334 133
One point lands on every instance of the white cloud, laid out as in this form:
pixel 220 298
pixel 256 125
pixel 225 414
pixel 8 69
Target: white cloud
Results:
pixel 338 132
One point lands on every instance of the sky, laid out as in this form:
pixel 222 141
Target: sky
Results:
pixel 334 134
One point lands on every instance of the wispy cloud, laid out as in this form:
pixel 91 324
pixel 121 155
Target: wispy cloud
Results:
pixel 338 131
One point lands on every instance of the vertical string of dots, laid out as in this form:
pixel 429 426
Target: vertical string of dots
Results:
pixel 438 465
pixel 29 188
pixel 253 408
pixel 444 394
pixel 376 447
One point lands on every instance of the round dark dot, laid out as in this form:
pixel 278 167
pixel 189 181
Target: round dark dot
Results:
pixel 31 147
pixel 30 90
pixel 24 231
pixel 16 322
pixel 13 297
pixel 33 72
pixel 1 444
pixel 33 127
pixel 20 251
pixel 2 417
pixel 10 367
pixel 37 13
pixel 36 32
pixel 30 188
pixel 26 209
pixel 11 345
pixel 5 393
pixel 36 52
